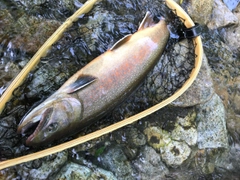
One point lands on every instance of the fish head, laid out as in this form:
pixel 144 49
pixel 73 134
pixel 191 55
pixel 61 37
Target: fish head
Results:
pixel 54 118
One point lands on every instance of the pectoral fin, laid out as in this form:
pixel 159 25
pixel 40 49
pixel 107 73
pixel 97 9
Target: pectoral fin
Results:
pixel 81 82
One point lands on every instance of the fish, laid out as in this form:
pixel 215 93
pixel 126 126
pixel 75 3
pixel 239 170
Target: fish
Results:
pixel 98 87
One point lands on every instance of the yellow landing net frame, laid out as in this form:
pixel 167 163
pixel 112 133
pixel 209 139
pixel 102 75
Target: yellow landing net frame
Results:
pixel 34 61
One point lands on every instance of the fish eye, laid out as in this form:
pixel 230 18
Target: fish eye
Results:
pixel 52 127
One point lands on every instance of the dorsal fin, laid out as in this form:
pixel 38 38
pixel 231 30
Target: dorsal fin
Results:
pixel 81 82
pixel 147 21
pixel 121 42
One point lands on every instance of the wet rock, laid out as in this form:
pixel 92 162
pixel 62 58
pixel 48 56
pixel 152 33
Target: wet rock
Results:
pixel 8 174
pixel 149 165
pixel 208 159
pixel 236 103
pixel 27 33
pixel 8 71
pixel 200 91
pixel 200 11
pixel 172 152
pixel 185 129
pixel 221 16
pixel 231 34
pixel 34 32
pixel 156 137
pixel 233 125
pixel 102 174
pixel 42 168
pixel 131 138
pixel 212 132
pixel 116 161
pixel 75 171
pixel 131 135
pixel 175 153
pixel 54 10
pixel 230 162
pixel 135 138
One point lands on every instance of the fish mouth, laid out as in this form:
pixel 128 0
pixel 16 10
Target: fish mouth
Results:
pixel 32 126
pixel 27 124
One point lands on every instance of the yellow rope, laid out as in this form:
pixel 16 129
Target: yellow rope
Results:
pixel 43 51
pixel 198 61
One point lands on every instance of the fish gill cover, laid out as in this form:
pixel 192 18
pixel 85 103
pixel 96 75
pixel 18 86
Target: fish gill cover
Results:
pixel 89 37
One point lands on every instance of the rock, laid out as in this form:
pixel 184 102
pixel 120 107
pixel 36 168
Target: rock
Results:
pixel 64 7
pixel 175 153
pixel 231 161
pixel 200 91
pixel 200 11
pixel 102 174
pixel 116 161
pixel 221 16
pixel 185 129
pixel 131 135
pixel 135 138
pixel 34 32
pixel 8 174
pixel 27 33
pixel 73 171
pixel 156 137
pixel 149 165
pixel 212 132
pixel 236 103
pixel 231 34
pixel 41 169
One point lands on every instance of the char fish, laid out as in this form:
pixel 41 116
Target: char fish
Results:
pixel 99 86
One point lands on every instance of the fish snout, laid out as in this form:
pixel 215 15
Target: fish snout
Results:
pixel 50 121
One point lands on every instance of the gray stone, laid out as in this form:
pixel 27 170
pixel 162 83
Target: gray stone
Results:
pixel 221 16
pixel 212 132
pixel 188 135
pixel 102 174
pixel 156 137
pixel 41 169
pixel 232 34
pixel 135 137
pixel 172 152
pixel 230 161
pixel 73 171
pixel 200 11
pixel 149 165
pixel 116 161
pixel 175 153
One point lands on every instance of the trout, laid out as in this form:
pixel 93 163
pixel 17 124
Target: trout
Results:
pixel 99 86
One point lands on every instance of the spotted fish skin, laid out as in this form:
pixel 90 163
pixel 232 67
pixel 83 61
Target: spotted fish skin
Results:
pixel 99 86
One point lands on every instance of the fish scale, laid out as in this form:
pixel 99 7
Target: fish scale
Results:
pixel 97 87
